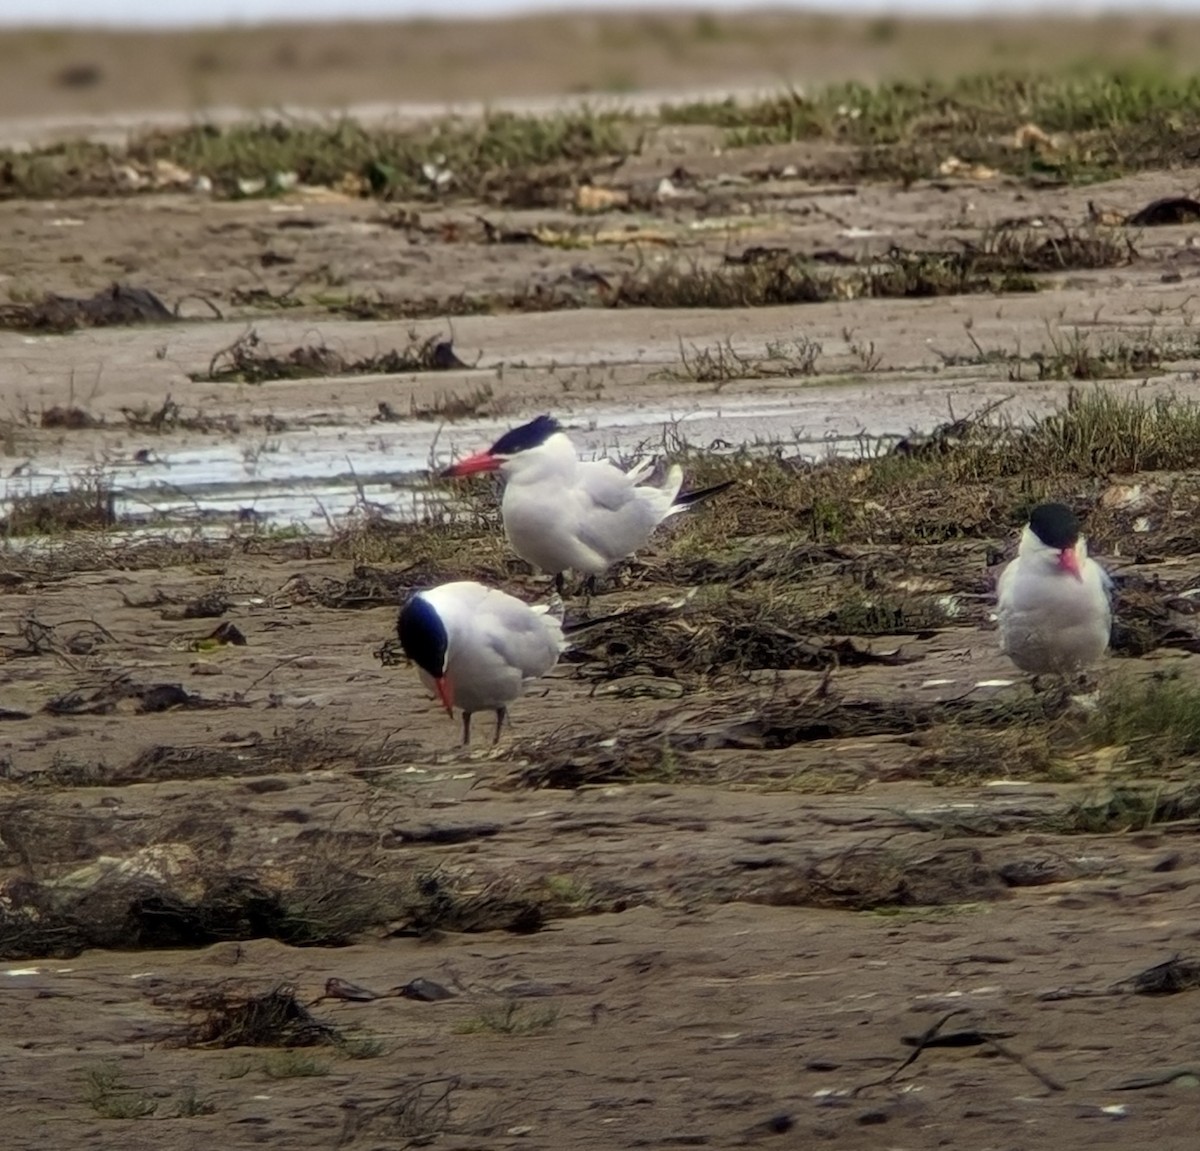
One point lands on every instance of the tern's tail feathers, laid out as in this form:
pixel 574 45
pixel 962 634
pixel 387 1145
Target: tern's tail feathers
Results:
pixel 690 499
pixel 641 469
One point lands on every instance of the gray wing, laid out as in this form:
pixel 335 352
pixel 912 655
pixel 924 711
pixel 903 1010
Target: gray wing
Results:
pixel 527 639
pixel 616 517
pixel 605 486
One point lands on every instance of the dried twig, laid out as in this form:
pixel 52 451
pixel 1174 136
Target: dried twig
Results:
pixel 975 1037
pixel 923 1041
pixel 1021 1061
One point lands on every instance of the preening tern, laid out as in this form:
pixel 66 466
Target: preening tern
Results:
pixel 476 648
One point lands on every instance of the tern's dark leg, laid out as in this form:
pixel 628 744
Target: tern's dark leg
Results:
pixel 466 728
pixel 559 582
pixel 501 715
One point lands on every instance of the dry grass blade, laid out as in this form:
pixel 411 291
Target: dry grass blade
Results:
pixel 418 1112
pixel 719 363
pixel 1020 249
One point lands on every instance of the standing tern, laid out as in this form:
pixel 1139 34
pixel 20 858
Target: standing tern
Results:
pixel 476 648
pixel 561 512
pixel 1053 601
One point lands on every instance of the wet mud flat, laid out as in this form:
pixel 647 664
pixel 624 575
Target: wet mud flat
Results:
pixel 786 854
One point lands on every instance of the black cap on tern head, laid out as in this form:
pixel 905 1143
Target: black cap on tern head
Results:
pixel 1055 525
pixel 530 435
pixel 423 636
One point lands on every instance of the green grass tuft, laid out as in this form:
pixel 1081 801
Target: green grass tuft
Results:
pixel 111 1098
pixel 293 1065
pixel 1157 720
pixel 502 156
pixel 1110 121
pixel 509 1018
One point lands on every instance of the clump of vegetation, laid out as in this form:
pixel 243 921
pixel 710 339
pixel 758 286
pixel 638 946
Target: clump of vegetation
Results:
pixel 1074 126
pixel 509 1018
pixel 293 1065
pixel 1004 260
pixel 857 611
pixel 970 479
pixel 1025 747
pixel 110 1097
pixel 451 405
pixel 792 280
pixel 382 307
pixel 249 361
pixel 815 714
pixel 117 305
pixel 417 1112
pixel 275 1018
pixel 1031 250
pixel 90 504
pixel 672 285
pixel 884 879
pixel 1103 431
pixel 363 1047
pixel 69 418
pixel 975 478
pixel 501 157
pixel 721 362
pixel 191 1104
pixel 1157 721
pixel 1007 259
pixel 1075 355
pixel 1128 806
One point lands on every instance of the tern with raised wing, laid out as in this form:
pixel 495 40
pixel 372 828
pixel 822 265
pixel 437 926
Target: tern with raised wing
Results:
pixel 562 513
pixel 1053 601
pixel 477 648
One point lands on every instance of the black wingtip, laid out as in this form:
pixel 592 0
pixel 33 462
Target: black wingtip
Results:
pixel 689 499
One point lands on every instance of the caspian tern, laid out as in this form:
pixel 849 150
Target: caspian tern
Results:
pixel 561 512
pixel 1053 602
pixel 476 647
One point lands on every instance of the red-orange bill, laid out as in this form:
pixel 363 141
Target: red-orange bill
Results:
pixel 1068 560
pixel 480 462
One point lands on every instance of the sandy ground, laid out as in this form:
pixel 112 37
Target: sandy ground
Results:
pixel 716 1000
pixel 327 255
pixel 737 949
